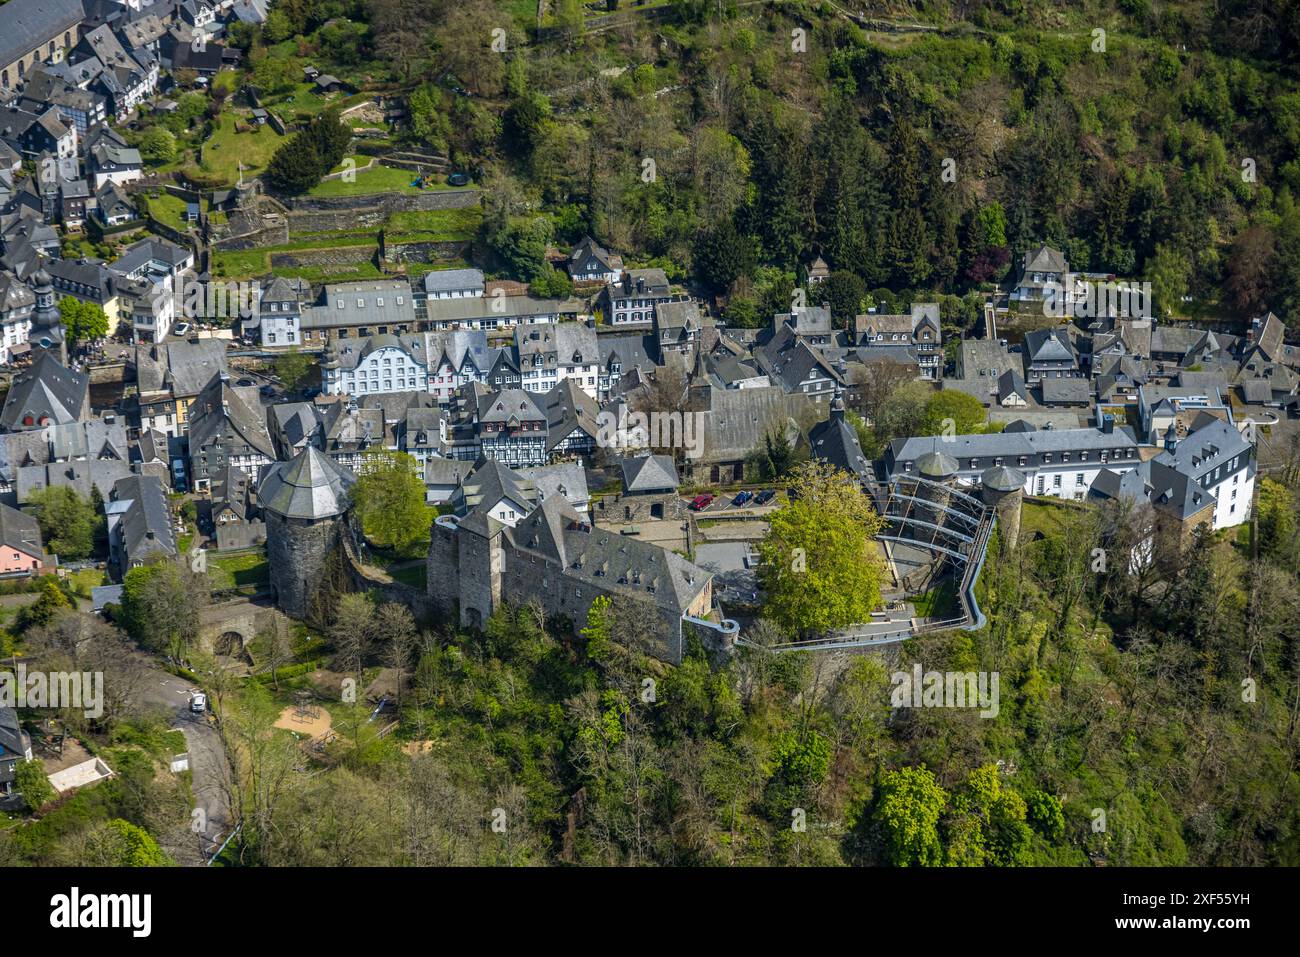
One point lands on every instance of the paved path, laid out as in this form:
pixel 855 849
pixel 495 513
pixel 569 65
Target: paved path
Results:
pixel 208 766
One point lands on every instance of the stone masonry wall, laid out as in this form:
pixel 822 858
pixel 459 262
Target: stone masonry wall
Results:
pixel 297 552
pixel 442 575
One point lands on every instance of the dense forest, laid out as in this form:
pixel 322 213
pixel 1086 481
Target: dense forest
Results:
pixel 918 148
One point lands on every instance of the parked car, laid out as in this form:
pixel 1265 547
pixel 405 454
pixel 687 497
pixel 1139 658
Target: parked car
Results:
pixel 198 702
pixel 701 502
pixel 765 496
pixel 182 328
pixel 742 498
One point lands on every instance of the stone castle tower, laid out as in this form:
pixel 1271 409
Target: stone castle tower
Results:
pixel 1003 489
pixel 305 502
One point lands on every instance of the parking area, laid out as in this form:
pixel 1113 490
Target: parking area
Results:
pixel 758 500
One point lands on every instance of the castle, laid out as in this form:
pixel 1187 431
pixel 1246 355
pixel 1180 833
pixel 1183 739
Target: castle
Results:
pixel 481 556
pixel 507 540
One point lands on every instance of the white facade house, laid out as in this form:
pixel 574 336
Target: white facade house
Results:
pixel 378 364
pixel 548 355
pixel 1214 457
pixel 1061 463
pixel 16 305
pixel 152 306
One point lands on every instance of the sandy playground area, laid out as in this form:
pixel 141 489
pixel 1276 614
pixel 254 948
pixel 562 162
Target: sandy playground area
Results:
pixel 313 725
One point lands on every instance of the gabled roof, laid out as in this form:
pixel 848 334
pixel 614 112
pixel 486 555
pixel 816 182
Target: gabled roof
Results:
pixel 146 521
pixel 835 441
pixel 1011 383
pixel 568 408
pixel 217 405
pixel 20 532
pixel 47 391
pixel 509 405
pixel 1045 259
pixel 445 280
pixel 1048 345
pixel 24 26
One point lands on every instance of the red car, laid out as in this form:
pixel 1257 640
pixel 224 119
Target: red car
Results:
pixel 701 502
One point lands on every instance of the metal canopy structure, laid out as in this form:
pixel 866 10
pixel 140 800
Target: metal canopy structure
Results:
pixel 952 525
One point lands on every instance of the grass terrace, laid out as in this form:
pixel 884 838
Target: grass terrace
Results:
pixel 376 179
pixel 434 225
pixel 226 148
pixel 243 569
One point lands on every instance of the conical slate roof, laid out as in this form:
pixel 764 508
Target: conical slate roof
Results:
pixel 1003 479
pixel 937 464
pixel 311 485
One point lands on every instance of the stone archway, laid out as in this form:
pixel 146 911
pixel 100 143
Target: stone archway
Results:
pixel 231 644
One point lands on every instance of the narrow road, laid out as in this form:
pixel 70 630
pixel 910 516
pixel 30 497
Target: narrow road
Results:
pixel 208 766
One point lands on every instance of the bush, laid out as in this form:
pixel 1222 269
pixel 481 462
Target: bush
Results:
pixel 33 785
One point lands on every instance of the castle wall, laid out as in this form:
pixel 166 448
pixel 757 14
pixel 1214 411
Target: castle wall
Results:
pixel 442 573
pixel 480 565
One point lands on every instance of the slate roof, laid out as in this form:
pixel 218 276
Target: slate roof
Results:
pixel 146 523
pixel 738 418
pixel 1011 445
pixel 219 404
pixel 79 476
pixel 441 471
pixel 1064 391
pixel 606 561
pixel 232 488
pixel 27 24
pixel 94 439
pixel 649 473
pixel 1128 486
pixel 1011 383
pixel 309 486
pixel 1044 259
pixel 565 479
pixel 13 741
pixel 509 405
pixel 1048 345
pixel 455 346
pixel 446 280
pixel 47 389
pixel 835 441
pixel 295 422
pixel 589 248
pixel 20 532
pixel 569 408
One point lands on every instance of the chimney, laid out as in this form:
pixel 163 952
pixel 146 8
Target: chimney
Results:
pixel 1108 424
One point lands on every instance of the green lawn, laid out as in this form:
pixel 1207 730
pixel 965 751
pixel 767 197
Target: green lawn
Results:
pixel 245 263
pixel 414 575
pixel 226 148
pixel 376 179
pixel 84 579
pixel 234 571
pixel 434 225
pixel 938 602
pixel 169 210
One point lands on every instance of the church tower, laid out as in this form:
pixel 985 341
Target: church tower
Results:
pixel 47 322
